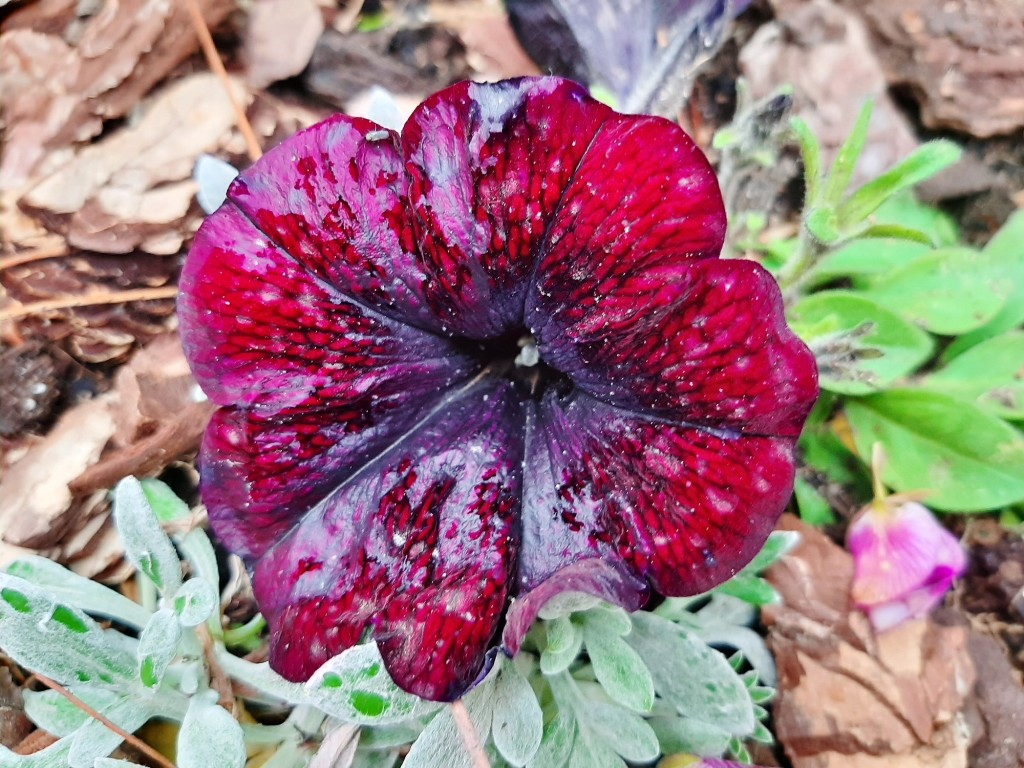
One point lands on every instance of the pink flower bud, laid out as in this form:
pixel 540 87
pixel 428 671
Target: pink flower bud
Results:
pixel 904 561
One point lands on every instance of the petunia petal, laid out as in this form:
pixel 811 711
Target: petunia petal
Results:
pixel 333 197
pixel 488 164
pixel 700 341
pixel 261 474
pixel 261 331
pixel 643 202
pixel 684 507
pixel 418 548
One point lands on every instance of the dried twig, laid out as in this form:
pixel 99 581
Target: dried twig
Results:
pixel 34 254
pixel 88 300
pixel 252 145
pixel 469 735
pixel 140 745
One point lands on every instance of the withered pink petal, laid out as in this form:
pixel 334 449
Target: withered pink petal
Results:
pixel 904 561
pixel 259 330
pixel 701 341
pixel 418 549
pixel 488 166
pixel 333 197
pixel 684 507
pixel 606 580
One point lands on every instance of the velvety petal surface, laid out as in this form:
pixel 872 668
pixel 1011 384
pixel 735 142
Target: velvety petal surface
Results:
pixel 315 384
pixel 701 341
pixel 260 330
pixel 333 197
pixel 488 165
pixel 683 507
pixel 643 202
pixel 260 473
pixel 418 549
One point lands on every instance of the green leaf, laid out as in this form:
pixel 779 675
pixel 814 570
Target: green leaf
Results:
pixel 821 223
pixel 923 163
pixel 813 508
pixel 990 375
pixel 778 544
pixel 865 257
pixel 969 460
pixel 618 668
pixel 896 232
pixel 146 545
pixel 948 291
pixel 1006 255
pixel 750 589
pixel 210 735
pixel 849 333
pixel 158 645
pixel 354 687
pixel 847 157
pixel 694 678
pixel 810 153
pixel 57 640
pixel 518 724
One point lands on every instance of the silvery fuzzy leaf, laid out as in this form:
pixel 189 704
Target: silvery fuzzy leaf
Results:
pixel 69 587
pixel 54 756
pixel 158 645
pixel 57 640
pixel 442 744
pixel 210 736
pixel 146 545
pixel 695 678
pixel 195 601
pixel 518 723
pixel 94 740
pixel 355 688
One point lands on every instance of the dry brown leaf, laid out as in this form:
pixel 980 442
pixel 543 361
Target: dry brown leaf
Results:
pixel 62 80
pixel 299 22
pixel 160 416
pixel 134 188
pixel 825 53
pixel 997 714
pixel 98 333
pixel 848 698
pixel 35 499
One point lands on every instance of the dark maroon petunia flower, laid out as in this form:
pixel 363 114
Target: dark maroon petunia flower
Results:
pixel 469 367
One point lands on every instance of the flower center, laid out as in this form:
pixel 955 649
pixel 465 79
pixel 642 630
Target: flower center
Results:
pixel 515 356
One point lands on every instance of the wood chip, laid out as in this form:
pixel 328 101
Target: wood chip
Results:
pixel 300 22
pixel 848 698
pixel 34 495
pixel 129 189
pixel 825 53
pixel 63 80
